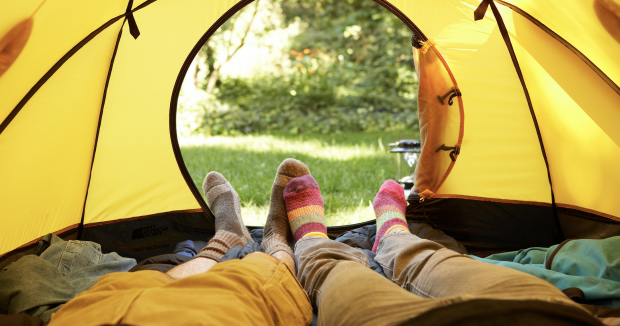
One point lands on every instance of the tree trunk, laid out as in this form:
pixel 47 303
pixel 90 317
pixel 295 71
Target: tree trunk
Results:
pixel 215 73
pixel 197 59
pixel 213 79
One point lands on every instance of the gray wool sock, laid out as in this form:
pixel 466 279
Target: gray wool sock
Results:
pixel 277 235
pixel 224 203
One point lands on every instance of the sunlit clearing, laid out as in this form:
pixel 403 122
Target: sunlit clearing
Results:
pixel 271 144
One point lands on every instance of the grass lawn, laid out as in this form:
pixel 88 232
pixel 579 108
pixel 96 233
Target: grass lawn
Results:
pixel 349 167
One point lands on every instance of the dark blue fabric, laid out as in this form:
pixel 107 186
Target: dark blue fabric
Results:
pixel 257 235
pixel 185 248
pixel 361 239
pixel 189 248
pixel 238 252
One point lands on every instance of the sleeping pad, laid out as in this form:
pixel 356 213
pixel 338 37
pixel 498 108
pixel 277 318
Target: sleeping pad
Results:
pixel 591 265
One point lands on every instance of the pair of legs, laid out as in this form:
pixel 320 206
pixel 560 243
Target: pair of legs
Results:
pixel 423 275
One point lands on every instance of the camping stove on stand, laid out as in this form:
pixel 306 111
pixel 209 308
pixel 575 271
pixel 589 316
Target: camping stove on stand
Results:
pixel 407 154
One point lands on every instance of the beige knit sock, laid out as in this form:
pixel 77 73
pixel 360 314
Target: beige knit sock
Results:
pixel 219 245
pixel 277 235
pixel 229 228
pixel 224 203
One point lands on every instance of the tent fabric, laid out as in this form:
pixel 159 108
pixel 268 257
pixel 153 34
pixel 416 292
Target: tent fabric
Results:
pixel 87 111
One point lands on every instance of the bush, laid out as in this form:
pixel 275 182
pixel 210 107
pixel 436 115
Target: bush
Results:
pixel 312 106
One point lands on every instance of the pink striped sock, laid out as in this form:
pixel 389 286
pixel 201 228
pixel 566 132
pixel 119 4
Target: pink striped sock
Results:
pixel 390 205
pixel 304 207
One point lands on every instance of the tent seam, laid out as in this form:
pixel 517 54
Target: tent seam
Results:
pixel 53 70
pixel 515 61
pixel 404 18
pixel 564 42
pixel 105 92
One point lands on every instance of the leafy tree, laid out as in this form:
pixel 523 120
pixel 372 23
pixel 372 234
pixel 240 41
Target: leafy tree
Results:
pixel 230 46
pixel 349 68
pixel 367 47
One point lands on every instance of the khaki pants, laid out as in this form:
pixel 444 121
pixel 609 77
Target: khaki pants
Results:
pixel 347 292
pixel 251 291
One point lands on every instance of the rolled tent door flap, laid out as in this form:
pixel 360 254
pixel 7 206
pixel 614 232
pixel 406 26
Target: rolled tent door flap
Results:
pixel 440 112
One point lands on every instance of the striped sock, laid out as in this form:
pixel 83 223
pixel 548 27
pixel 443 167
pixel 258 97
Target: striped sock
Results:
pixel 304 207
pixel 390 205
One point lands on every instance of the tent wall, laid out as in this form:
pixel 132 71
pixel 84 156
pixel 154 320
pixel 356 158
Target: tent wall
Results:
pixel 577 109
pixel 580 24
pixel 135 172
pixel 150 236
pixel 489 225
pixel 47 149
pixel 578 114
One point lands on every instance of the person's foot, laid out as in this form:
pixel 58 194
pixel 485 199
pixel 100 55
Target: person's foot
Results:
pixel 277 234
pixel 229 228
pixel 304 207
pixel 389 205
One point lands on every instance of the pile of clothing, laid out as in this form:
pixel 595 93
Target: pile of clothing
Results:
pixel 587 270
pixel 35 286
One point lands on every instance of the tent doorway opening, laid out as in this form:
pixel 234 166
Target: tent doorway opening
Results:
pixel 330 83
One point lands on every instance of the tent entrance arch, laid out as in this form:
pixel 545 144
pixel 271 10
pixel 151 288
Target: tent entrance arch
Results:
pixel 187 63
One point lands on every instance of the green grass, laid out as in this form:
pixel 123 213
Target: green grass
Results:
pixel 349 167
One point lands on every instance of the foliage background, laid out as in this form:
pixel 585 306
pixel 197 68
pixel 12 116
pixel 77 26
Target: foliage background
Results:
pixel 350 69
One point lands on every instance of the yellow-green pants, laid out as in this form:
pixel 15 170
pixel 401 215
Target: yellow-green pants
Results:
pixel 251 291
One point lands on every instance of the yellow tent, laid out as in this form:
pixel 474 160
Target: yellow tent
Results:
pixel 529 147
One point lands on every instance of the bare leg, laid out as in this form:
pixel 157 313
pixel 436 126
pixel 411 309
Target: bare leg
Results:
pixel 286 259
pixel 192 267
pixel 230 231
